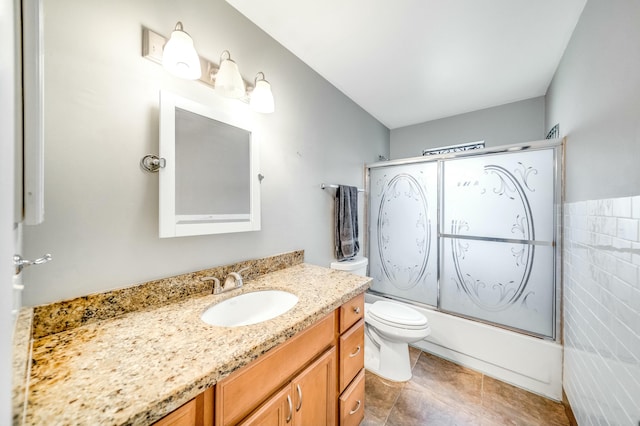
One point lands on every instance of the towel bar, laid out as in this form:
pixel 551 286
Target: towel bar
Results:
pixel 330 185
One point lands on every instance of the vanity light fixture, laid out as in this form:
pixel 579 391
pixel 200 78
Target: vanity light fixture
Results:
pixel 228 81
pixel 261 96
pixel 179 56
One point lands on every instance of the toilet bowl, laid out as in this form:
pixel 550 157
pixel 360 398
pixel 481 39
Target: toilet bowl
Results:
pixel 389 328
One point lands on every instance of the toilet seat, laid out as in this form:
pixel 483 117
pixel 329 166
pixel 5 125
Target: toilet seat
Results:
pixel 396 315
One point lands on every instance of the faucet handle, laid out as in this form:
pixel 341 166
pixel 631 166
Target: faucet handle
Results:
pixel 233 278
pixel 216 284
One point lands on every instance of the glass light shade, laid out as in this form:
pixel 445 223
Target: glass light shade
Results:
pixel 229 82
pixel 179 57
pixel 262 98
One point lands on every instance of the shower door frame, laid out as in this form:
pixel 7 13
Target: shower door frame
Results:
pixel 558 146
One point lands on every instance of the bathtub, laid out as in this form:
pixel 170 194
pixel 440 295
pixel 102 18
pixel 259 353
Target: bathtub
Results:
pixel 527 362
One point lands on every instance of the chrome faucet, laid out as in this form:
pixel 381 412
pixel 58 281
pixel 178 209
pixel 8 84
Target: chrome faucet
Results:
pixel 231 282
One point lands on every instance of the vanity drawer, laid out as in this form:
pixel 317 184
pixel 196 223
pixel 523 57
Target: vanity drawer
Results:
pixel 240 393
pixel 352 402
pixel 351 353
pixel 351 312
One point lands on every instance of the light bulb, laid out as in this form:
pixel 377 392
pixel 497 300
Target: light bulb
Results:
pixel 262 97
pixel 229 82
pixel 179 56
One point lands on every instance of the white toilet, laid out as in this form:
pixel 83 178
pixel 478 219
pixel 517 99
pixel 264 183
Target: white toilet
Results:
pixel 389 328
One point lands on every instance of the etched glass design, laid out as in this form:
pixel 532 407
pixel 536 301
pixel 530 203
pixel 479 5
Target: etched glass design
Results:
pixel 503 283
pixel 506 196
pixel 403 225
pixel 498 236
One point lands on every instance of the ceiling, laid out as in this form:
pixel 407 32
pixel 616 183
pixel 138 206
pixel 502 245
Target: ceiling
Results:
pixel 411 61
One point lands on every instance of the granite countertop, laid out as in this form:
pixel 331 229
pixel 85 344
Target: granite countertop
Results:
pixel 137 367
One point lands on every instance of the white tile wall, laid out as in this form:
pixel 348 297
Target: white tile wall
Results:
pixel 602 310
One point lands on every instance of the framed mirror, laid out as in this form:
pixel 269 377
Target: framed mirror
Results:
pixel 210 183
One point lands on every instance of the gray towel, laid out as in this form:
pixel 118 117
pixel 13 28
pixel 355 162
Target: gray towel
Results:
pixel 346 212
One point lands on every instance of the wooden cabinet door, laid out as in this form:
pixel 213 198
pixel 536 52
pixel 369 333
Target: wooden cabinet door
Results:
pixel 183 416
pixel 238 395
pixel 197 412
pixel 275 411
pixel 314 392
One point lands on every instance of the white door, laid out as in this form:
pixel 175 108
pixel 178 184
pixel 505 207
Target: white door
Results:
pixel 8 239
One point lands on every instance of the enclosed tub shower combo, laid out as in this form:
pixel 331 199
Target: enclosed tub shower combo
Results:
pixel 473 236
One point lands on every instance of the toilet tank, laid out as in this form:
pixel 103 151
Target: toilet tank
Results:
pixel 356 265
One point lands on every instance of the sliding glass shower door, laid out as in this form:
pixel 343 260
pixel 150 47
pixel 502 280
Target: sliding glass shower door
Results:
pixel 497 239
pixel 403 231
pixel 472 235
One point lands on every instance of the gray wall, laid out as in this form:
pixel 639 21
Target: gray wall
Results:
pixel 595 97
pixel 502 125
pixel 101 210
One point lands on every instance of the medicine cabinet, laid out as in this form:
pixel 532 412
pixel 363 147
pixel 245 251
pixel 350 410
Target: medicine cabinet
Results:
pixel 210 182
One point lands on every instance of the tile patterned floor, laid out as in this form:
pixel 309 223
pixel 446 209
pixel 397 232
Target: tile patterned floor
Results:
pixel 444 393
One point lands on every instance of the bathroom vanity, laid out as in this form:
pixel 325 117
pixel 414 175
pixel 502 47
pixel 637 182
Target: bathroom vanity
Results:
pixel 316 377
pixel 164 365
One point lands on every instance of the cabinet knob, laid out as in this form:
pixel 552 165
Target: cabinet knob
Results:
pixel 355 409
pixel 356 309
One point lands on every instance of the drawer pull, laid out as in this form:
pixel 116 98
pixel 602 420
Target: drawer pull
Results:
pixel 355 409
pixel 290 409
pixel 357 351
pixel 299 398
pixel 356 309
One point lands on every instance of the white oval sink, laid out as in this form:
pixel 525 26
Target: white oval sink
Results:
pixel 249 308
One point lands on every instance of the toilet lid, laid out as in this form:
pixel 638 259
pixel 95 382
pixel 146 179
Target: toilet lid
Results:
pixel 395 314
